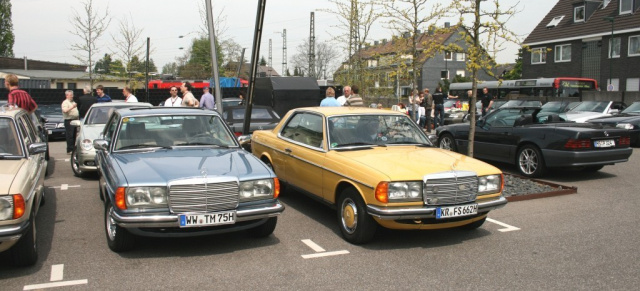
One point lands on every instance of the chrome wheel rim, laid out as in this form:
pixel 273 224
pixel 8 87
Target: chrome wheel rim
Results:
pixel 74 164
pixel 445 143
pixel 349 215
pixel 111 225
pixel 528 161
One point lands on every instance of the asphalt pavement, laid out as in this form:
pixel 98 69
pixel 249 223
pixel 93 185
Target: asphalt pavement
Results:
pixel 587 240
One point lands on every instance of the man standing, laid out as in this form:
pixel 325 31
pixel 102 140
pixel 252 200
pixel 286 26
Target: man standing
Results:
pixel 207 101
pixel 428 106
pixel 69 113
pixel 85 101
pixel 414 103
pixel 438 107
pixel 188 100
pixel 19 97
pixel 330 100
pixel 354 99
pixel 101 96
pixel 347 92
pixel 173 100
pixel 128 97
pixel 487 101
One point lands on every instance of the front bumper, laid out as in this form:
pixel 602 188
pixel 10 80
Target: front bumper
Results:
pixel 87 161
pixel 10 234
pixel 557 158
pixel 398 213
pixel 56 133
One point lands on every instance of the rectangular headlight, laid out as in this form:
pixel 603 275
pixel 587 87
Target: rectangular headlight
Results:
pixel 6 208
pixel 146 197
pixel 405 191
pixel 489 184
pixel 257 189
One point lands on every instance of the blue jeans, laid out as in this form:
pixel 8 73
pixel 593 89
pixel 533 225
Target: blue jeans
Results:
pixel 438 115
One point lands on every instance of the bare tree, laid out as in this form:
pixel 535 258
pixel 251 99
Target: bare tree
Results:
pixel 326 56
pixel 128 43
pixel 485 36
pixel 219 21
pixel 89 26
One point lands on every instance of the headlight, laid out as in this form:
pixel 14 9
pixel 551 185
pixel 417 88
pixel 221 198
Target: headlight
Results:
pixel 625 125
pixel 399 191
pixel 146 197
pixel 257 189
pixel 87 144
pixel 489 184
pixel 6 208
pixel 60 125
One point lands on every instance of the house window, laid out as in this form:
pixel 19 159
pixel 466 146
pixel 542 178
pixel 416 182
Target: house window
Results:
pixel 626 6
pixel 372 63
pixel 578 14
pixel 448 56
pixel 460 56
pixel 555 21
pixel 633 84
pixel 71 86
pixel 444 74
pixel 634 45
pixel 614 47
pixel 59 85
pixel 539 55
pixel 563 53
pixel 460 73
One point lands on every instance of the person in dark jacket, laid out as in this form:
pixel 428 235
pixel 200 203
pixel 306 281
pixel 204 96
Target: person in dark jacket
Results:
pixel 85 101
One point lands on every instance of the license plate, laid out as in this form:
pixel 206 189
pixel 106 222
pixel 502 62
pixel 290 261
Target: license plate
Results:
pixel 606 143
pixel 207 219
pixel 49 131
pixel 456 211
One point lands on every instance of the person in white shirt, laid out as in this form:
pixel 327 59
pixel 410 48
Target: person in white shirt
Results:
pixel 173 100
pixel 346 93
pixel 128 96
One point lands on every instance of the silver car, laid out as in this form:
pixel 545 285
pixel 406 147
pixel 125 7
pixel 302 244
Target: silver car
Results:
pixel 83 155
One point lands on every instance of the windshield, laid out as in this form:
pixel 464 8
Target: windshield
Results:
pixel 591 106
pixel 99 115
pixel 50 109
pixel 173 130
pixel 368 130
pixel 9 143
pixel 633 108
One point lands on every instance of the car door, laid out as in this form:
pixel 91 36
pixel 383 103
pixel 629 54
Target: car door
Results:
pixel 36 163
pixel 303 152
pixel 494 137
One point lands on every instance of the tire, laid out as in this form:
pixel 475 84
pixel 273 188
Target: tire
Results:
pixel 265 229
pixel 530 162
pixel 591 169
pixel 447 142
pixel 118 238
pixel 25 252
pixel 75 166
pixel 356 225
pixel 474 225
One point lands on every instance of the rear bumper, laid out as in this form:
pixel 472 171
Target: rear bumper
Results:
pixel 556 158
pixel 396 213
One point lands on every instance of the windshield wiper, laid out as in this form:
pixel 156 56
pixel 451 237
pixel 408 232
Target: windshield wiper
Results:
pixel 137 146
pixel 411 143
pixel 359 143
pixel 204 143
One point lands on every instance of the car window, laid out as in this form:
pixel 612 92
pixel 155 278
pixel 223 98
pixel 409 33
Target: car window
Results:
pixel 591 106
pixel 29 127
pixel 110 128
pixel 305 128
pixel 9 143
pixel 633 108
pixel 256 113
pixel 99 115
pixel 370 129
pixel 503 118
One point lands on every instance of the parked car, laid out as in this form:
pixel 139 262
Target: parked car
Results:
pixel 593 109
pixel 22 173
pixel 457 114
pixel 522 103
pixel 515 135
pixel 378 168
pixel 262 117
pixel 556 107
pixel 231 101
pixel 628 119
pixel 39 122
pixel 176 171
pixel 54 123
pixel 83 155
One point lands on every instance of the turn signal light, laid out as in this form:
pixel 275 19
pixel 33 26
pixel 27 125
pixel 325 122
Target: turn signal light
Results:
pixel 276 188
pixel 121 201
pixel 18 206
pixel 382 192
pixel 576 144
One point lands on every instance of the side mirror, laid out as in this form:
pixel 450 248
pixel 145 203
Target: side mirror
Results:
pixel 100 144
pixel 76 123
pixel 245 142
pixel 37 148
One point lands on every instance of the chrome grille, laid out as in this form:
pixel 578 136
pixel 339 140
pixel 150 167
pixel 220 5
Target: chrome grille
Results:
pixel 50 125
pixel 450 188
pixel 203 197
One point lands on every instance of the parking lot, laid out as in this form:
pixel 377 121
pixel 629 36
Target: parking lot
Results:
pixel 586 240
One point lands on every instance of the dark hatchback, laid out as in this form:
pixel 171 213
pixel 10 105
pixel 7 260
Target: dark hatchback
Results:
pixel 54 123
pixel 262 117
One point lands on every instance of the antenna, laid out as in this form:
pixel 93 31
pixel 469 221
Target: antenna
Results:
pixel 312 47
pixel 270 59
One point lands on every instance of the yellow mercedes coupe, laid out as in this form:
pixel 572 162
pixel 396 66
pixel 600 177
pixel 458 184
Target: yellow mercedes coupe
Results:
pixel 377 167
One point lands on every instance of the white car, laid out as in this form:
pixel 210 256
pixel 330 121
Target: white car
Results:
pixel 587 110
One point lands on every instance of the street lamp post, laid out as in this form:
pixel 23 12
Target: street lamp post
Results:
pixel 612 20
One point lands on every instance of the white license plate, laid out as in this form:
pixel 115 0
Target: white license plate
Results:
pixel 456 211
pixel 207 219
pixel 49 131
pixel 606 143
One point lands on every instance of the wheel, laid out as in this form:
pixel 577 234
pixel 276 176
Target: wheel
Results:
pixel 356 225
pixel 474 225
pixel 264 229
pixel 530 161
pixel 101 188
pixel 25 252
pixel 46 155
pixel 75 165
pixel 118 238
pixel 592 168
pixel 447 142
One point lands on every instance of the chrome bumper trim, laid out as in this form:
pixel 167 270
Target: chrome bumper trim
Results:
pixel 13 232
pixel 393 213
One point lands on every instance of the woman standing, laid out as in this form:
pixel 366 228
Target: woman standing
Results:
pixel 69 113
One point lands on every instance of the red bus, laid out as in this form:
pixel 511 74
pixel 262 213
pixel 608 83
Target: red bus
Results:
pixel 542 87
pixel 167 84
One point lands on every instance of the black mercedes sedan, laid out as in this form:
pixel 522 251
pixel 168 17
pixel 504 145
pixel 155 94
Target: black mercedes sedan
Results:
pixel 628 119
pixel 516 135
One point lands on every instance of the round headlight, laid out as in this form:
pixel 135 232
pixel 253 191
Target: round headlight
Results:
pixel 87 144
pixel 158 196
pixel 6 209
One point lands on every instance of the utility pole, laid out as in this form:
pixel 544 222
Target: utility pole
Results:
pixel 270 59
pixel 284 51
pixel 214 57
pixel 312 47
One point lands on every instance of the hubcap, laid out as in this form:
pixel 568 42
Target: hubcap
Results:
pixel 349 215
pixel 76 166
pixel 528 161
pixel 445 143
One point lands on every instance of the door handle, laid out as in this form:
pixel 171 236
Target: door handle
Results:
pixel 287 150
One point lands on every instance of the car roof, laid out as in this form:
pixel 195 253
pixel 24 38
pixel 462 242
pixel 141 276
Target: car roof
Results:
pixel 120 104
pixel 161 110
pixel 342 110
pixel 242 106
pixel 10 112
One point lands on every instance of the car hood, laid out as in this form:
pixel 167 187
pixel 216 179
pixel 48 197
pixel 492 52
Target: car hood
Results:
pixel 8 171
pixel 91 131
pixel 413 162
pixel 621 118
pixel 158 167
pixel 584 116
pixel 53 118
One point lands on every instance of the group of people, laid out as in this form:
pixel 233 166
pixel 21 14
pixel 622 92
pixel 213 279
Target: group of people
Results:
pixel 188 100
pixel 351 97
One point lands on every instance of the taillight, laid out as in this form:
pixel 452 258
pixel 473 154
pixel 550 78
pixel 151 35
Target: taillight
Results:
pixel 18 206
pixel 238 134
pixel 625 141
pixel 576 144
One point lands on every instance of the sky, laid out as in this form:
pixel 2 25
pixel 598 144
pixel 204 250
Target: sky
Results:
pixel 42 27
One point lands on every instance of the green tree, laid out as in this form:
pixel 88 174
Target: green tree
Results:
pixel 263 62
pixel 516 72
pixel 89 27
pixel 103 66
pixel 170 68
pixel 6 32
pixel 198 65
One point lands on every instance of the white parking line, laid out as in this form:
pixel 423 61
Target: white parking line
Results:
pixel 66 160
pixel 65 186
pixel 320 252
pixel 313 245
pixel 506 226
pixel 57 273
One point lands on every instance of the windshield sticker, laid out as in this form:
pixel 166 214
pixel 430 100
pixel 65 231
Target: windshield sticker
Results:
pixel 125 120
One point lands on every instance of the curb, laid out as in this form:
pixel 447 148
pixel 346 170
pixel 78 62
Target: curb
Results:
pixel 562 190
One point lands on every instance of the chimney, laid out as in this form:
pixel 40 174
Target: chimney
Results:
pixel 447 25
